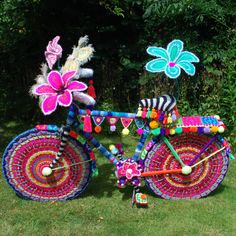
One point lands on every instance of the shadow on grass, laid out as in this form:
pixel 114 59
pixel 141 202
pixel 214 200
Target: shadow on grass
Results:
pixel 104 185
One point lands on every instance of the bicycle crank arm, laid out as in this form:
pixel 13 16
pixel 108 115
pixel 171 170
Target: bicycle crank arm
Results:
pixel 161 172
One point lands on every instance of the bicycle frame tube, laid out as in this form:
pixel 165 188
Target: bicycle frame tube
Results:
pixel 74 110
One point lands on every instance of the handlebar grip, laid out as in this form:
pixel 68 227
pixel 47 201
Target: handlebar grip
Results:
pixel 84 73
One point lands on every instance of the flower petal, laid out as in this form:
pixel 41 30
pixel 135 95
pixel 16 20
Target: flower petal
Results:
pixel 172 72
pixel 77 86
pixel 55 80
pixel 156 65
pixel 65 99
pixel 187 56
pixel 49 105
pixel 187 67
pixel 67 76
pixel 51 59
pixel 174 49
pixel 158 52
pixel 44 89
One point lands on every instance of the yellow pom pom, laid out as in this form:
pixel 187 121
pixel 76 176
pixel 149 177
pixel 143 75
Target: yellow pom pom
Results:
pixel 111 147
pixel 153 124
pixel 172 131
pixel 214 129
pixel 125 131
pixel 217 117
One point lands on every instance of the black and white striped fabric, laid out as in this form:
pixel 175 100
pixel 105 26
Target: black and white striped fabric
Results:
pixel 163 103
pixel 64 138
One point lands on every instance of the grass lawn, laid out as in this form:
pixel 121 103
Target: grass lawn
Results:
pixel 104 209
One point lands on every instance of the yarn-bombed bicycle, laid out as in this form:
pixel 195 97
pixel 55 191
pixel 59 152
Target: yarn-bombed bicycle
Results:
pixel 187 157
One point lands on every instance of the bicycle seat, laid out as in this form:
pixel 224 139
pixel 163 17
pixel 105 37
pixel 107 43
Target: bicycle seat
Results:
pixel 164 103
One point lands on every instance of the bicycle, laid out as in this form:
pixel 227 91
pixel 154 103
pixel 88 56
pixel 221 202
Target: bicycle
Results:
pixel 186 158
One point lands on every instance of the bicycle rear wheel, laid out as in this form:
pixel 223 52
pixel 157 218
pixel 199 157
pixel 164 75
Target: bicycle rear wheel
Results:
pixel 30 152
pixel 203 179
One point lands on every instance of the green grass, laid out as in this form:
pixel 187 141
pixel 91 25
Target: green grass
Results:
pixel 106 210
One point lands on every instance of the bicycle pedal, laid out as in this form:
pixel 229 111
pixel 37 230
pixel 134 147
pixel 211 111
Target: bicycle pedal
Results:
pixel 141 199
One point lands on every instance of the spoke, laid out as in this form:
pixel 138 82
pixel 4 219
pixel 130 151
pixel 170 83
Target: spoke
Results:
pixel 206 158
pixel 74 164
pixel 175 154
pixel 203 150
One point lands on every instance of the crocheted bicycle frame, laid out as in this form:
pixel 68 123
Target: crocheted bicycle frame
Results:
pixel 186 157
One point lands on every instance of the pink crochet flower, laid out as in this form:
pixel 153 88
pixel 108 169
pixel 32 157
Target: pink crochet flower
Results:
pixel 129 170
pixel 58 90
pixel 53 52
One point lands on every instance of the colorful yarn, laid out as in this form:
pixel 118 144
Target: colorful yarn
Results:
pixel 30 152
pixel 201 182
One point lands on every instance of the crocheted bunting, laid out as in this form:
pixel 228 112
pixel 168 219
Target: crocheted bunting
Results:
pixel 112 120
pixel 126 122
pixel 140 123
pixel 98 120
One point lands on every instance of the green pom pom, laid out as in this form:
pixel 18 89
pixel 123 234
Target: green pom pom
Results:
pixel 178 130
pixel 156 131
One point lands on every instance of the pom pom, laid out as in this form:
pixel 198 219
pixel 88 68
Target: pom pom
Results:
pixel 207 130
pixel 221 129
pixel 193 129
pixel 140 131
pixel 217 117
pixel 153 124
pixel 156 131
pixel 178 130
pixel 172 131
pixel 112 128
pixel 125 131
pixel 214 129
pixel 144 113
pixel 98 129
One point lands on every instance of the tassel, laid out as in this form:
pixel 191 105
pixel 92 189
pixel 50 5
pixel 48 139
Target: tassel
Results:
pixel 91 89
pixel 139 113
pixel 165 119
pixel 144 113
pixel 169 119
pixel 153 114
pixel 87 123
pixel 161 118
pixel 148 113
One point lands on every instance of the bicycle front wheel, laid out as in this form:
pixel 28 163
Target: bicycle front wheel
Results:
pixel 203 179
pixel 31 151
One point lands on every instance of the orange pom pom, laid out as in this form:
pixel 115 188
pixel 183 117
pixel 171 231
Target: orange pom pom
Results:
pixel 193 129
pixel 214 129
pixel 153 124
pixel 98 129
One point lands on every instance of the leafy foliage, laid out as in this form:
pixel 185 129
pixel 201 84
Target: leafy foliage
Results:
pixel 120 32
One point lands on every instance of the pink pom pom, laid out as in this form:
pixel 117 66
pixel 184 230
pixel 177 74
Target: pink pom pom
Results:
pixel 139 131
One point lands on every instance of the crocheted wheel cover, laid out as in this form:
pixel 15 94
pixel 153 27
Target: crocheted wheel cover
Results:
pixel 30 152
pixel 204 178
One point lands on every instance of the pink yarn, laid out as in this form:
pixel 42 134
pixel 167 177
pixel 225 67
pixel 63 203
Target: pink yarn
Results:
pixel 58 90
pixel 53 52
pixel 140 131
pixel 87 124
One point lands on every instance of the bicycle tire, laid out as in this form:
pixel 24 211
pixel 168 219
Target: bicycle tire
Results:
pixel 34 149
pixel 203 179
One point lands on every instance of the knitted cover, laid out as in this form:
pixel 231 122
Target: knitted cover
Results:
pixel 204 178
pixel 30 152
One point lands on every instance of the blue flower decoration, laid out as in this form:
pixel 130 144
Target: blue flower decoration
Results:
pixel 171 60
